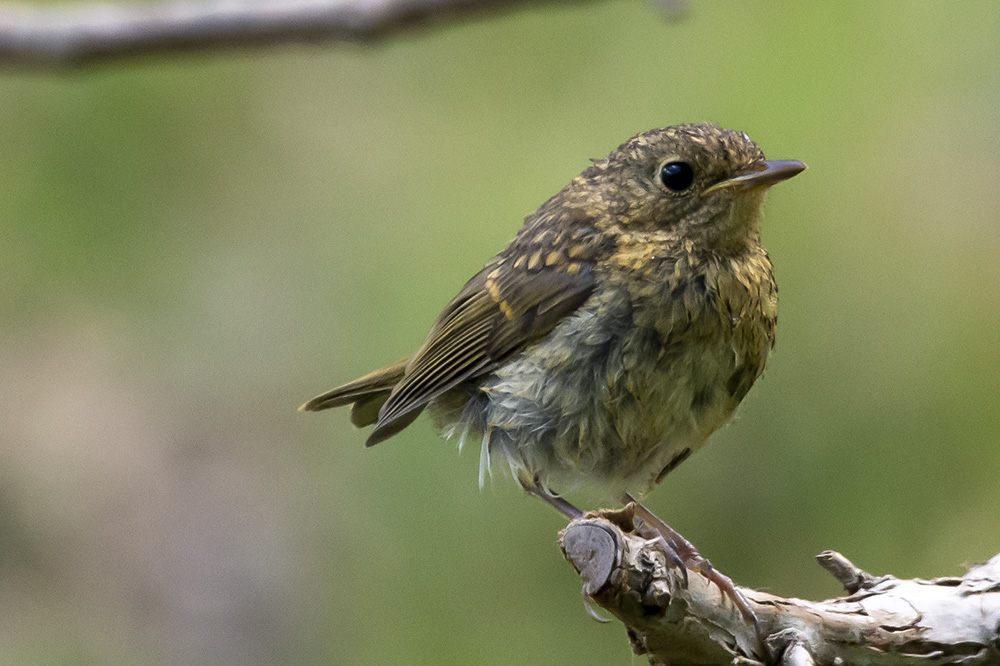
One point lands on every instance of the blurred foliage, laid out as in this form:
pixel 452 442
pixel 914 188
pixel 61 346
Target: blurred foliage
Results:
pixel 194 246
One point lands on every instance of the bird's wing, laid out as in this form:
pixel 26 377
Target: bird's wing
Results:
pixel 516 299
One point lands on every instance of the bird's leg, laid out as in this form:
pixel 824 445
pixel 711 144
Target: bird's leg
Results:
pixel 684 551
pixel 533 487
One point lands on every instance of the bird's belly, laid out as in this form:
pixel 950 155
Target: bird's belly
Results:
pixel 588 407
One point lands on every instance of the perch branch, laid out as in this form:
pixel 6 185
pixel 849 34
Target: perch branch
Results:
pixel 75 35
pixel 884 621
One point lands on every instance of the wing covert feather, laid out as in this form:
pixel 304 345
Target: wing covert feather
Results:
pixel 511 303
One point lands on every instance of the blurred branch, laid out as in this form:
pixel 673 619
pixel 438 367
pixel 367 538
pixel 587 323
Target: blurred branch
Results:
pixel 74 35
pixel 884 621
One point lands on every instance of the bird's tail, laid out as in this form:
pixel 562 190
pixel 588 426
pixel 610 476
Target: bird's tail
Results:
pixel 365 394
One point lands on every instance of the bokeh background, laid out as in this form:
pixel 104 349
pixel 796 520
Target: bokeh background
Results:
pixel 193 246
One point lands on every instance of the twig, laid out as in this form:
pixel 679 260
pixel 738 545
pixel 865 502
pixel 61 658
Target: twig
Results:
pixel 884 622
pixel 75 35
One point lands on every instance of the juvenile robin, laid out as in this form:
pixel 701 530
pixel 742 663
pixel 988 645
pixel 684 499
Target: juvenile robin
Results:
pixel 620 328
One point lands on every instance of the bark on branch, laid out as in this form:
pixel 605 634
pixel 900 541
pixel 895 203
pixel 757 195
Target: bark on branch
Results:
pixel 884 621
pixel 74 35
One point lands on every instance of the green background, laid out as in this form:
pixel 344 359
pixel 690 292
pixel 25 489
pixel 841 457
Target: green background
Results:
pixel 193 246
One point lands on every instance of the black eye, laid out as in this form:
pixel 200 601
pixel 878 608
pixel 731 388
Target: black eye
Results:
pixel 677 176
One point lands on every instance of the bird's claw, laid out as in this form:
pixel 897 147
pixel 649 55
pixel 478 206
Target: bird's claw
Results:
pixel 681 553
pixel 588 604
pixel 674 558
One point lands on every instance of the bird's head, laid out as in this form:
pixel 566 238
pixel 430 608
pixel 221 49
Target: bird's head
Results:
pixel 696 182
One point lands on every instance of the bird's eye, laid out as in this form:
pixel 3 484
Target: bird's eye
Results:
pixel 677 176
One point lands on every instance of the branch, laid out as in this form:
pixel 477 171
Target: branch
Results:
pixel 62 36
pixel 884 621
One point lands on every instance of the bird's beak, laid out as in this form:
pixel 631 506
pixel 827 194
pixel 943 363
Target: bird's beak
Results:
pixel 763 174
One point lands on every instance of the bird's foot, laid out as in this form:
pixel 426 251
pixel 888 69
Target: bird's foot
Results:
pixel 682 554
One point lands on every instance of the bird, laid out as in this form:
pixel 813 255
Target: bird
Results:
pixel 619 329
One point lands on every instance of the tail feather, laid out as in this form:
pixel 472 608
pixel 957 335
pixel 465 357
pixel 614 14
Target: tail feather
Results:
pixel 365 394
pixel 365 410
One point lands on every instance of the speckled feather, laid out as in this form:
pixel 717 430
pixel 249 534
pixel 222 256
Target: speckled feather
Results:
pixel 618 330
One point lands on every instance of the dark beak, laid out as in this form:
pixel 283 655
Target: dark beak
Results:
pixel 764 174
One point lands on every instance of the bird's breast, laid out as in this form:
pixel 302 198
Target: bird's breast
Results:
pixel 636 379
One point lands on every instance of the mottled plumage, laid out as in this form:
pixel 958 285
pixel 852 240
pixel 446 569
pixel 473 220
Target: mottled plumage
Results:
pixel 619 329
